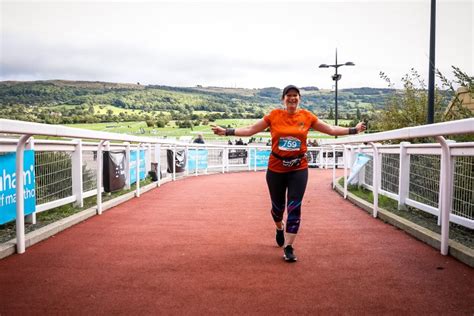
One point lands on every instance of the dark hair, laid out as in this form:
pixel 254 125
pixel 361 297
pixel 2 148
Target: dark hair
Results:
pixel 288 88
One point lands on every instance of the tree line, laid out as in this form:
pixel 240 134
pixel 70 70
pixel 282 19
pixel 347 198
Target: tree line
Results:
pixel 55 102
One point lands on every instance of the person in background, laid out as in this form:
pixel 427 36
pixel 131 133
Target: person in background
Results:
pixel 287 173
pixel 199 139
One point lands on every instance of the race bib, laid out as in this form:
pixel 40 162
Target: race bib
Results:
pixel 289 143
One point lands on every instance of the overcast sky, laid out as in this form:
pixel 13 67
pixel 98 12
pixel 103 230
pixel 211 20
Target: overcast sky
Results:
pixel 251 44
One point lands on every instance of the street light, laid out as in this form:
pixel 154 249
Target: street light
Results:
pixel 336 77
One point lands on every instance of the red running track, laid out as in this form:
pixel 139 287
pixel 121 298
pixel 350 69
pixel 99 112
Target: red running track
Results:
pixel 205 245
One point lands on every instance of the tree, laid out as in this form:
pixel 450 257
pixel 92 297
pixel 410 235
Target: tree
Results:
pixel 150 123
pixel 331 114
pixel 409 106
pixel 459 111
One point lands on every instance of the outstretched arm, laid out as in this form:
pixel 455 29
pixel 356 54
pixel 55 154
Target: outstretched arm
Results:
pixel 259 126
pixel 337 130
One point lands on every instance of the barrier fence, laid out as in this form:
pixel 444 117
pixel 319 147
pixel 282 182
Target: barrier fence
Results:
pixel 429 175
pixel 435 178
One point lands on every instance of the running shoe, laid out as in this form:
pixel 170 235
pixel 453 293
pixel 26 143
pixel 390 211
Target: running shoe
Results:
pixel 280 237
pixel 288 254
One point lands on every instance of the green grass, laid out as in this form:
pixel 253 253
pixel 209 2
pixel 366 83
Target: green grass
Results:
pixel 172 131
pixel 102 109
pixel 121 127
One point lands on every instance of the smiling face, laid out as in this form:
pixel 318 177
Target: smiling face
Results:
pixel 291 100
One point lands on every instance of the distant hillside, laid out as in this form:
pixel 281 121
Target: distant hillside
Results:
pixel 74 101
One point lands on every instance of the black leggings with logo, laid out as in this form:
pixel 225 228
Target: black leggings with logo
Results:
pixel 291 185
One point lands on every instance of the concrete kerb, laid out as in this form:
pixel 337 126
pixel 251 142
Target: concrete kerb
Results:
pixel 456 250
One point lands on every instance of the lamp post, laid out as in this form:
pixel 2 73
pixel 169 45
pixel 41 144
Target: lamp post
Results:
pixel 431 73
pixel 336 77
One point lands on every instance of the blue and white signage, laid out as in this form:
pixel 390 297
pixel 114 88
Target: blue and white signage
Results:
pixel 262 158
pixel 360 161
pixel 289 143
pixel 133 166
pixel 199 157
pixel 8 185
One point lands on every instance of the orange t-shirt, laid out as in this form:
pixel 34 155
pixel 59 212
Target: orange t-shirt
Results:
pixel 289 132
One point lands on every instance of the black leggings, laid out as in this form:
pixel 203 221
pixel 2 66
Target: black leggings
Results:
pixel 278 183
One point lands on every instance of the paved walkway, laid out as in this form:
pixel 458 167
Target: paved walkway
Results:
pixel 205 245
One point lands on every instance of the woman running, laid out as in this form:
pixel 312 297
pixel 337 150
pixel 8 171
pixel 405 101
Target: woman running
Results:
pixel 287 173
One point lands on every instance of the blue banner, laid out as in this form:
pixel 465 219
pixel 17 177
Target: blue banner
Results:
pixel 199 156
pixel 262 158
pixel 133 166
pixel 360 161
pixel 8 185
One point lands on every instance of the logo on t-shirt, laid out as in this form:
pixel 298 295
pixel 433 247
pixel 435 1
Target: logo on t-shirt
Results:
pixel 289 143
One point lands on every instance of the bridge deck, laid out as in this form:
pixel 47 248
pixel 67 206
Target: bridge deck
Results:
pixel 205 245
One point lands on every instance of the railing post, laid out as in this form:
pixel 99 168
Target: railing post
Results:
pixel 197 161
pixel 334 168
pixel 440 196
pixel 148 158
pixel 226 160
pixel 326 162
pixel 158 160
pixel 127 166
pixel 346 165
pixel 77 186
pixel 20 203
pixel 320 158
pixel 249 165
pixel 353 154
pixel 207 162
pixel 174 163
pixel 186 154
pixel 31 218
pixel 224 155
pixel 99 176
pixel 107 148
pixel 375 178
pixel 361 176
pixel 445 192
pixel 403 176
pixel 137 167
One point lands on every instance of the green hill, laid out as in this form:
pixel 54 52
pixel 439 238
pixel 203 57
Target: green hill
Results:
pixel 67 102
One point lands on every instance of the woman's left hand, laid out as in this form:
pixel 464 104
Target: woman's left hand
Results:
pixel 360 127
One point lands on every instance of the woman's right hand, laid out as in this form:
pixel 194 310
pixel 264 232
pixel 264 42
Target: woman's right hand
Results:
pixel 218 130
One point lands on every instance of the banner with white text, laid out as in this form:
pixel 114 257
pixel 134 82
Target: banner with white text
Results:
pixel 261 158
pixel 8 185
pixel 197 158
pixel 133 166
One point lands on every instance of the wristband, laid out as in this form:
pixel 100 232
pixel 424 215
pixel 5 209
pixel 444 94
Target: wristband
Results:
pixel 352 130
pixel 229 131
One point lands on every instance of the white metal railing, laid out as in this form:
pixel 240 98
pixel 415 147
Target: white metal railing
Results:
pixel 410 174
pixel 82 166
pixel 75 159
pixel 441 180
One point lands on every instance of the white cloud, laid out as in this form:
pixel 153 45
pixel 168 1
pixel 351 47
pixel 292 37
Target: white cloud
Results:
pixel 246 44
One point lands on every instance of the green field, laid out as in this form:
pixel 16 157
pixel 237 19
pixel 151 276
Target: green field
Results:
pixel 171 131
